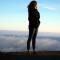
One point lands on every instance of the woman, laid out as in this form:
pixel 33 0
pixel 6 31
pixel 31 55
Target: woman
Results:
pixel 33 17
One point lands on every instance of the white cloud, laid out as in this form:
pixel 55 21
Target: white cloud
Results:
pixel 50 8
pixel 47 7
pixel 20 43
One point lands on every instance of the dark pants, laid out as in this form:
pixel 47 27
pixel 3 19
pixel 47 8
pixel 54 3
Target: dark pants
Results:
pixel 32 35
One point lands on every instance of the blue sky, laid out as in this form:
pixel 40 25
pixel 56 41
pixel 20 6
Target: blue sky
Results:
pixel 14 15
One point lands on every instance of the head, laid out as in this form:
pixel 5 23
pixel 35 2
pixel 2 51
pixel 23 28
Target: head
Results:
pixel 32 5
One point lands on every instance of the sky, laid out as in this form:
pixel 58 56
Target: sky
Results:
pixel 14 15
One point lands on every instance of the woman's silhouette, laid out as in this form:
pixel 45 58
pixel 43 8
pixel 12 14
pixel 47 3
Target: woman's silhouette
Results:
pixel 33 17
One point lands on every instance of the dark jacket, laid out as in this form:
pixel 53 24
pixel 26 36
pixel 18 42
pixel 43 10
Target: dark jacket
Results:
pixel 33 17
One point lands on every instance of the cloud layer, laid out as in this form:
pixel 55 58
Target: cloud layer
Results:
pixel 19 43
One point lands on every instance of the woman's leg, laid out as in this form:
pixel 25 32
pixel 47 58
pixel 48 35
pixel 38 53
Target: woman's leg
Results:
pixel 34 39
pixel 29 38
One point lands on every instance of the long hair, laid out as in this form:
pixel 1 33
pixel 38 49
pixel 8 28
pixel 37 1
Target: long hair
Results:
pixel 31 5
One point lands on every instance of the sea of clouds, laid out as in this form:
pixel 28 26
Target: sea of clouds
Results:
pixel 17 41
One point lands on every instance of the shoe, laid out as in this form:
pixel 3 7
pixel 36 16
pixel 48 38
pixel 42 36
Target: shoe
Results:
pixel 34 51
pixel 28 51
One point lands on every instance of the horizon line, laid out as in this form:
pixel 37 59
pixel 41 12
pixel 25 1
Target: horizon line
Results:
pixel 28 31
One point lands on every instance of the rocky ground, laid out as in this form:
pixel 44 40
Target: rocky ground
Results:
pixel 31 53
